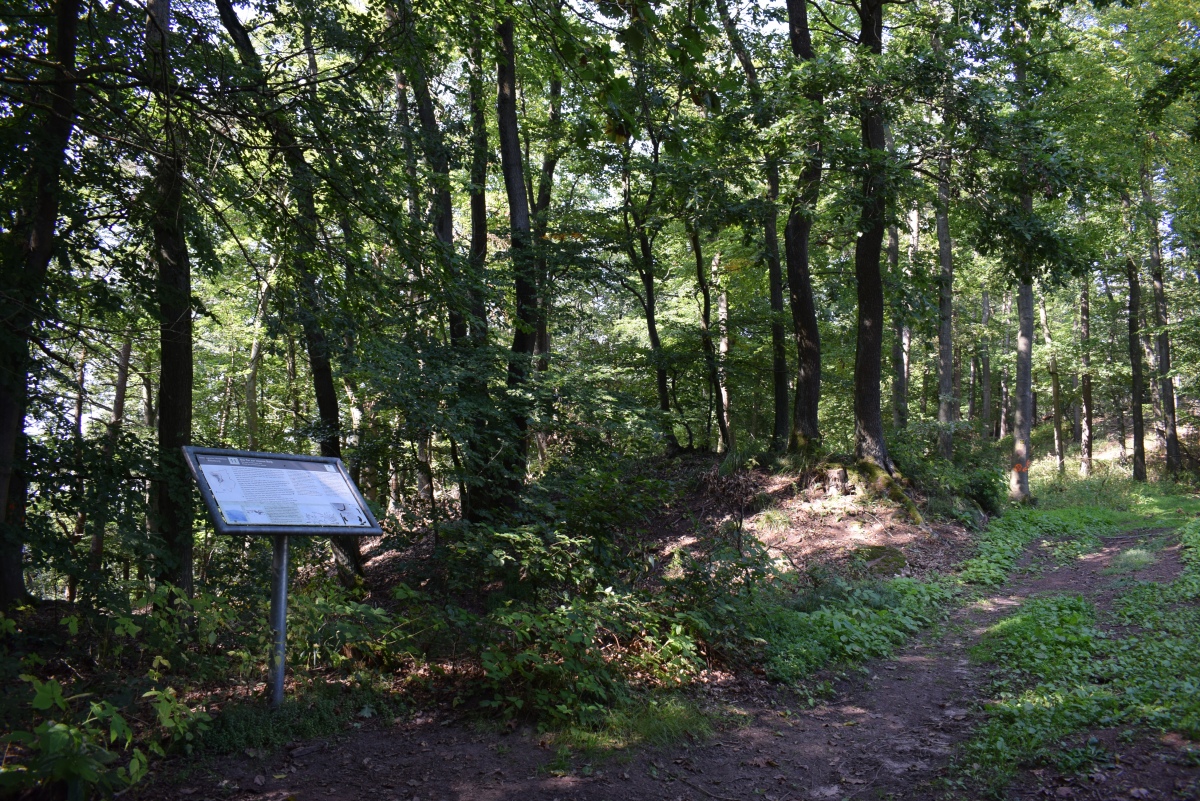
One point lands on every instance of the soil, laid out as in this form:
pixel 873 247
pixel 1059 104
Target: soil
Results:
pixel 888 731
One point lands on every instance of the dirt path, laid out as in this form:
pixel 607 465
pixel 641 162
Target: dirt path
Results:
pixel 888 734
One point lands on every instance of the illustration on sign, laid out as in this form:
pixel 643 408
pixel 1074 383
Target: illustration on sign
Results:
pixel 256 491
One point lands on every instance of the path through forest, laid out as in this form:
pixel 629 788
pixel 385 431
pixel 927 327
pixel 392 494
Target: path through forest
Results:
pixel 889 733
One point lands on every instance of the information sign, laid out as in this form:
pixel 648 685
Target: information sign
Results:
pixel 272 493
pixel 280 495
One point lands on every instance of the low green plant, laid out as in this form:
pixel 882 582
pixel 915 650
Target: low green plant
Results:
pixel 839 623
pixel 87 746
pixel 1003 542
pixel 1058 673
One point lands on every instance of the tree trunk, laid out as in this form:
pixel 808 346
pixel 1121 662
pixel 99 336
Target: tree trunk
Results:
pixel 172 498
pixel 985 368
pixel 947 401
pixel 1018 484
pixel 1166 385
pixel 437 156
pixel 726 404
pixel 26 249
pixel 477 258
pixel 869 443
pixel 524 277
pixel 252 369
pixel 1085 356
pixel 1135 370
pixel 303 186
pixel 706 337
pixel 113 436
pixel 1060 445
pixel 779 378
pixel 899 357
pixel 806 432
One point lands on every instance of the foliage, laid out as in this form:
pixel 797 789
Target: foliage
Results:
pixel 1059 672
pixel 1005 539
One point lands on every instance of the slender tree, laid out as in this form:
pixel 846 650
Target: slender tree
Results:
pixel 779 377
pixel 1135 370
pixel 1162 338
pixel 1085 380
pixel 797 237
pixel 1055 390
pixel 303 185
pixel 27 248
pixel 524 277
pixel 868 420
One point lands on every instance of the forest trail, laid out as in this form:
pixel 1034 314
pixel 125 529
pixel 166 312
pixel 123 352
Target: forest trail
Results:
pixel 890 732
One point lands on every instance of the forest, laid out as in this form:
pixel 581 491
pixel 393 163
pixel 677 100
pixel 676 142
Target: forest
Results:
pixel 700 359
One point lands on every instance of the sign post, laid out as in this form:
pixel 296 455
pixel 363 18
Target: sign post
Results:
pixel 279 495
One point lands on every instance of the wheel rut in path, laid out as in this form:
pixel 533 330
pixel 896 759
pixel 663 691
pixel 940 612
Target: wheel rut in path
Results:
pixel 888 733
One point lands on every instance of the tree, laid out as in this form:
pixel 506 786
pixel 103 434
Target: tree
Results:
pixel 28 245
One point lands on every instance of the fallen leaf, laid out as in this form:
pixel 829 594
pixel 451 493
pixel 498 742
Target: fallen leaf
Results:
pixel 279 775
pixel 1139 792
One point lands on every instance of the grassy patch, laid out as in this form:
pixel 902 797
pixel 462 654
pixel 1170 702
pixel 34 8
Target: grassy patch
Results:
pixel 1058 674
pixel 840 623
pixel 1068 532
pixel 1130 561
pixel 656 721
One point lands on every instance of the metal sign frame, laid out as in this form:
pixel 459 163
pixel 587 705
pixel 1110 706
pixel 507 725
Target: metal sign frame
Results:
pixel 191 454
pixel 280 534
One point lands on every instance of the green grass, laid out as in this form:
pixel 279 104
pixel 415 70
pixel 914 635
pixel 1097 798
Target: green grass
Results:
pixel 1067 532
pixel 1058 674
pixel 658 720
pixel 1130 561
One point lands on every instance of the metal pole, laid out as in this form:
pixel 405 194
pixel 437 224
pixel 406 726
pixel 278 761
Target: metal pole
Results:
pixel 279 582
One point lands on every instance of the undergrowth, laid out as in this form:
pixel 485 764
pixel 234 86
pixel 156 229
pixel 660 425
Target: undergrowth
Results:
pixel 1067 532
pixel 1060 673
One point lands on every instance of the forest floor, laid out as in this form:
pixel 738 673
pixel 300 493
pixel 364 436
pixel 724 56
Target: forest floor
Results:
pixel 891 729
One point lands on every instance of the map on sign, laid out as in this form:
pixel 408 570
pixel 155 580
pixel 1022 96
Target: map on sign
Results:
pixel 266 490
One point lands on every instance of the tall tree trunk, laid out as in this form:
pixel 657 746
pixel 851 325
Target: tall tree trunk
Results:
pixel 524 277
pixel 437 156
pixel 481 488
pixel 1006 403
pixel 1135 370
pixel 899 357
pixel 947 400
pixel 256 349
pixel 112 437
pixel 1085 356
pixel 706 337
pixel 541 222
pixel 806 432
pixel 779 378
pixel 985 367
pixel 1018 484
pixel 869 443
pixel 972 409
pixel 26 249
pixel 726 402
pixel 172 499
pixel 1060 445
pixel 303 184
pixel 477 257
pixel 1166 385
pixel 779 368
